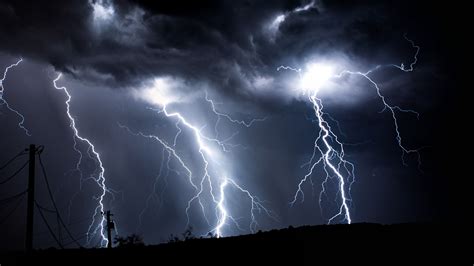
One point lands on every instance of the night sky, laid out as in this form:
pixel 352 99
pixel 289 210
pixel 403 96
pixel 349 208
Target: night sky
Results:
pixel 121 60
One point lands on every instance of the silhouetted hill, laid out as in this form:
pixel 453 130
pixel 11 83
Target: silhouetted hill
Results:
pixel 307 245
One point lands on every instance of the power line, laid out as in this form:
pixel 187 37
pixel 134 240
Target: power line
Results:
pixel 71 242
pixel 21 153
pixel 82 221
pixel 52 198
pixel 67 243
pixel 49 243
pixel 13 210
pixel 8 199
pixel 40 208
pixel 45 209
pixel 48 226
pixel 14 174
pixel 57 217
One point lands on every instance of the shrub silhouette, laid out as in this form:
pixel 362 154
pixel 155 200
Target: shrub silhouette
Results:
pixel 187 235
pixel 129 241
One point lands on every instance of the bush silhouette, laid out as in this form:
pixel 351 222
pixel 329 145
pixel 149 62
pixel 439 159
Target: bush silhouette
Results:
pixel 129 241
pixel 187 235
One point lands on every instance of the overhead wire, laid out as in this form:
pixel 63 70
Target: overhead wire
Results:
pixel 40 149
pixel 13 210
pixel 21 153
pixel 8 199
pixel 14 174
pixel 48 226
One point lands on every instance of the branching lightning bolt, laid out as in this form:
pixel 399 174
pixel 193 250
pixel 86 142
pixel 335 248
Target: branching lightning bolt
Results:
pixel 209 149
pixel 328 150
pixel 171 153
pixel 100 179
pixel 228 117
pixel 393 108
pixel 4 102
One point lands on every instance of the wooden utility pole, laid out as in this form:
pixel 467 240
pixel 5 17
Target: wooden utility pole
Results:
pixel 31 199
pixel 110 226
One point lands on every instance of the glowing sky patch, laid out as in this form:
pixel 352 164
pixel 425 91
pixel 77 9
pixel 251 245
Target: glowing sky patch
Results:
pixel 315 76
pixel 160 92
pixel 102 11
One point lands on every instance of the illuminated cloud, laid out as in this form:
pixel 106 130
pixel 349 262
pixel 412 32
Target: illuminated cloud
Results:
pixel 274 25
pixel 162 91
pixel 316 75
pixel 102 10
pixel 263 82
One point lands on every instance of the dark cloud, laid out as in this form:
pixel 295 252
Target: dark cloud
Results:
pixel 149 38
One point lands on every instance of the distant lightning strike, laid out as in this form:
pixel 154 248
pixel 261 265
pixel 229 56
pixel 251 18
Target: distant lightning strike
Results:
pixel 100 180
pixel 204 184
pixel 328 151
pixel 4 102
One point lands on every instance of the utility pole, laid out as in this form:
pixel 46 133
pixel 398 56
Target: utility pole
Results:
pixel 31 199
pixel 110 226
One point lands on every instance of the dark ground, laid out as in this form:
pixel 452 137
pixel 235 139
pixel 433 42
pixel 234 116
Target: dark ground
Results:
pixel 307 245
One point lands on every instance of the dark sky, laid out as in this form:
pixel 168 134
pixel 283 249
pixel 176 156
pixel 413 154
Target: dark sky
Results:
pixel 111 52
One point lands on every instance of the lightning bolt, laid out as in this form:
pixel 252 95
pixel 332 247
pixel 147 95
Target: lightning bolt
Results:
pixel 171 153
pixel 207 153
pixel 4 102
pixel 328 150
pixel 213 175
pixel 100 179
pixel 228 117
pixel 393 109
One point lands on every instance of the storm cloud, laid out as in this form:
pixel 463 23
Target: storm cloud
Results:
pixel 120 44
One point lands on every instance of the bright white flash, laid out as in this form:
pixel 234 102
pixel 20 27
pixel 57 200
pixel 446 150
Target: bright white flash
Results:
pixel 161 91
pixel 315 76
pixel 101 10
